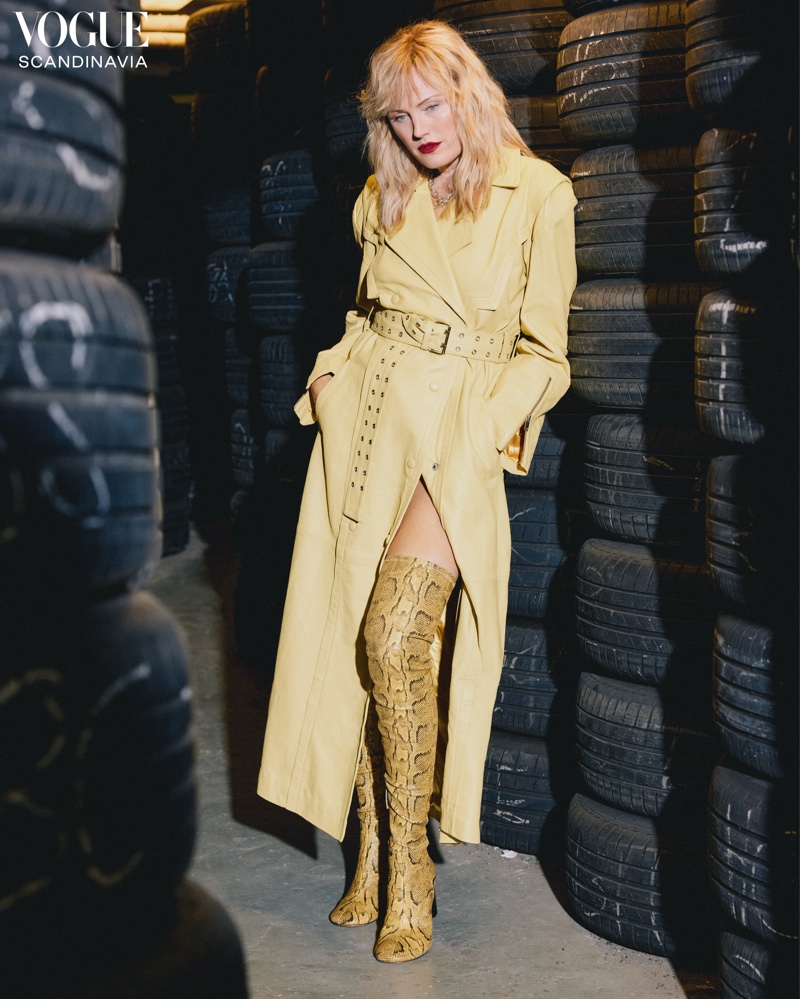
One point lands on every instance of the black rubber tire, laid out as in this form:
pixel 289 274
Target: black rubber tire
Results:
pixel 529 682
pixel 734 57
pixel 736 396
pixel 175 526
pixel 517 39
pixel 631 883
pixel 753 854
pixel 215 54
pixel 746 691
pixel 750 969
pixel 244 450
pixel 288 195
pixel 538 558
pixel 275 298
pixel 735 549
pixel 173 417
pixel 745 187
pixel 643 618
pixel 517 799
pixel 621 74
pixel 239 367
pixel 79 479
pixel 37 423
pixel 558 459
pixel 631 344
pixel 226 275
pixel 99 513
pixel 61 157
pixel 158 296
pixel 580 7
pixel 175 471
pixel 536 119
pixel 635 211
pixel 168 356
pixel 345 129
pixel 228 214
pixel 97 741
pixel 645 482
pixel 639 752
pixel 339 200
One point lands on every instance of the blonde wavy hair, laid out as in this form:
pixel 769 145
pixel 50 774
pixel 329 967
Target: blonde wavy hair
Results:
pixel 439 55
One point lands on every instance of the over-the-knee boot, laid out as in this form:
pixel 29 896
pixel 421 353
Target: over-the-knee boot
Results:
pixel 359 904
pixel 402 621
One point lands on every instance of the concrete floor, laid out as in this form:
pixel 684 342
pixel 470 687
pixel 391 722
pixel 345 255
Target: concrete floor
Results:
pixel 502 929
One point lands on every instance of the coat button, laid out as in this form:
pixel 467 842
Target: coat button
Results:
pixel 409 462
pixel 434 386
pixel 394 299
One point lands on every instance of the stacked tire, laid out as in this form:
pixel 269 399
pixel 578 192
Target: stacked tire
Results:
pixel 645 745
pixel 160 246
pixel 518 41
pixel 270 450
pixel 219 65
pixel 528 778
pixel 745 238
pixel 161 304
pixel 98 817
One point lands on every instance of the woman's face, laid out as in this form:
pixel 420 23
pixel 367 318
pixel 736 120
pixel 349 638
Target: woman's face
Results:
pixel 423 122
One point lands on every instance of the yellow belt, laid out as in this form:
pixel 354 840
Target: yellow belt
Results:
pixel 439 338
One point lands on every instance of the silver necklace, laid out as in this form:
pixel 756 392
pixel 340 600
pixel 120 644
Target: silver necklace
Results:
pixel 441 202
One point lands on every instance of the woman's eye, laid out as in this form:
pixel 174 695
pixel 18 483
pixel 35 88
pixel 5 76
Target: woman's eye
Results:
pixel 431 107
pixel 397 117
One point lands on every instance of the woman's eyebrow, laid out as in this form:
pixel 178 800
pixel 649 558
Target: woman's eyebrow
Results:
pixel 425 100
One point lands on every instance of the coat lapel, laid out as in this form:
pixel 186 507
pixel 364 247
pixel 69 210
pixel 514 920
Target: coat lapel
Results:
pixel 419 243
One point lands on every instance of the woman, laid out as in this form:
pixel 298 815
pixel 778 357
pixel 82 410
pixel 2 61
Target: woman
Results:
pixel 447 366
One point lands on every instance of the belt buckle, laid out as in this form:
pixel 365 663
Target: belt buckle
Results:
pixel 443 347
pixel 425 337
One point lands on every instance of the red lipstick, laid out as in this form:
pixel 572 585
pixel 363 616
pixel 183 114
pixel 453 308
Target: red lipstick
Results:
pixel 429 147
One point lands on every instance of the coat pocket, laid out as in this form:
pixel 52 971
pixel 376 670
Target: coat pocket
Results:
pixel 331 388
pixel 487 455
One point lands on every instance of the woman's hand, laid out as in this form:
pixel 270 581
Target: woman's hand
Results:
pixel 316 387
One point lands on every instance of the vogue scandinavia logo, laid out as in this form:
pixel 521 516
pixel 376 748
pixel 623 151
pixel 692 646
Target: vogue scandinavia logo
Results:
pixel 51 30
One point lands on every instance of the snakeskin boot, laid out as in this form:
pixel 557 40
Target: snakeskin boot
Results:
pixel 359 904
pixel 402 622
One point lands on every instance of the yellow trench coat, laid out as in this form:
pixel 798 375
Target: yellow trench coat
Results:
pixel 393 414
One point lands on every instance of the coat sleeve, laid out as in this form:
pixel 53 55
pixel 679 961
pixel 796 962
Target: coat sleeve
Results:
pixel 332 359
pixel 538 375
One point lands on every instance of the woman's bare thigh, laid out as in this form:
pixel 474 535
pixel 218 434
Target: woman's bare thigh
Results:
pixel 421 534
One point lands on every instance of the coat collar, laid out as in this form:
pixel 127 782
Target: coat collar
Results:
pixel 419 241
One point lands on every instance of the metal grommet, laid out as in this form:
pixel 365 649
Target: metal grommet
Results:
pixel 474 352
